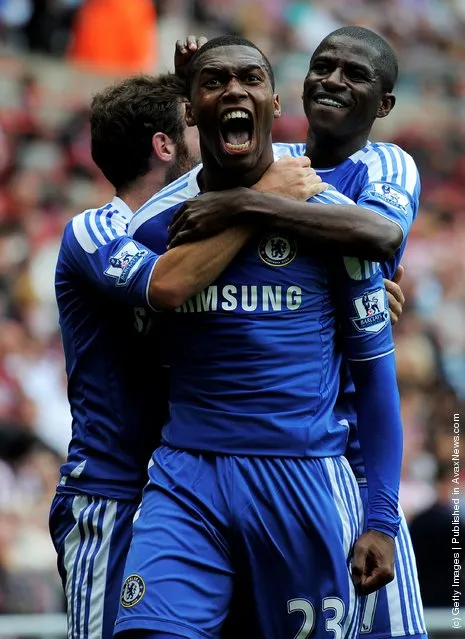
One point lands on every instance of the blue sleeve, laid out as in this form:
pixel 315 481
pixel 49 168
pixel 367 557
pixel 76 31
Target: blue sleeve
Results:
pixel 151 228
pixel 392 186
pixel 120 268
pixel 369 349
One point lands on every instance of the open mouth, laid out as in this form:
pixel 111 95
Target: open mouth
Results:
pixel 330 101
pixel 236 129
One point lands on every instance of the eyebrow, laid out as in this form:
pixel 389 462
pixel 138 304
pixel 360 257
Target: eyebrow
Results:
pixel 245 69
pixel 353 64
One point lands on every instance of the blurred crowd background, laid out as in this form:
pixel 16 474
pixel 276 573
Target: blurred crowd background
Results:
pixel 53 55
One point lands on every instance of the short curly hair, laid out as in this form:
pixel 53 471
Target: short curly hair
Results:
pixel 125 116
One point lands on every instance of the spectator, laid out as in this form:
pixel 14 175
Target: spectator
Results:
pixel 115 36
pixel 433 529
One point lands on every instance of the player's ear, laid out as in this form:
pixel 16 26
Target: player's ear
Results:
pixel 163 147
pixel 277 106
pixel 190 120
pixel 386 105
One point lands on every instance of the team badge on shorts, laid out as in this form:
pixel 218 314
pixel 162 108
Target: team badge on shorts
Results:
pixel 277 250
pixel 133 591
pixel 372 314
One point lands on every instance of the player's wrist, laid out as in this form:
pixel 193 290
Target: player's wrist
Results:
pixel 389 528
pixel 245 205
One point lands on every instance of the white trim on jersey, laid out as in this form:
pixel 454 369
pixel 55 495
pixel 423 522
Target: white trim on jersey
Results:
pixel 182 189
pixel 346 496
pixel 368 612
pixel 386 162
pixel 96 227
pixel 403 616
pixel 147 288
pixel 405 588
pixel 81 234
pixel 123 209
pixel 177 192
pixel 331 196
pixel 367 359
pixel 283 149
pixel 414 585
pixel 86 552
pixel 187 187
pixel 360 270
pixel 92 220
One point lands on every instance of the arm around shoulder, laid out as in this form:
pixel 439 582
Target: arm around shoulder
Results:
pixel 344 228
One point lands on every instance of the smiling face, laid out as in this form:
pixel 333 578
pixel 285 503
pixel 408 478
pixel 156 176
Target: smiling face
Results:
pixel 343 91
pixel 233 105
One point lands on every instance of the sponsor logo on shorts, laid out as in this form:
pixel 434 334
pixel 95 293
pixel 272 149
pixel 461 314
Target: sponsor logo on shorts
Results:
pixel 277 250
pixel 133 591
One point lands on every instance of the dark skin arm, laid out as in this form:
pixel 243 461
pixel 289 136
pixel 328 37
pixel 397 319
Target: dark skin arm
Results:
pixel 345 229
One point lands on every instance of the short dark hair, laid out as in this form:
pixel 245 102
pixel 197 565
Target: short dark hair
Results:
pixel 124 118
pixel 224 41
pixel 386 63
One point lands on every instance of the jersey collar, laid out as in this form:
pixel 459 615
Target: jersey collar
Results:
pixel 121 206
pixel 193 188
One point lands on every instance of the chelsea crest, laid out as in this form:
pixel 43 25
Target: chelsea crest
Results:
pixel 133 591
pixel 277 249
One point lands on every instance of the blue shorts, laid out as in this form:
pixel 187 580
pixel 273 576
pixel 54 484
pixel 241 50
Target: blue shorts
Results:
pixel 278 531
pixel 91 536
pixel 396 610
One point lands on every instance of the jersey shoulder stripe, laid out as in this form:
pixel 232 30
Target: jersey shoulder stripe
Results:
pixel 331 196
pixel 386 162
pixel 294 149
pixel 175 193
pixel 358 269
pixel 281 149
pixel 96 227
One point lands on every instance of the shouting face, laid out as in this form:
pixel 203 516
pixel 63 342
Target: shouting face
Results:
pixel 233 105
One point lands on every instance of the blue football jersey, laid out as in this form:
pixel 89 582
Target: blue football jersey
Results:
pixel 384 178
pixel 101 282
pixel 254 357
pixel 380 176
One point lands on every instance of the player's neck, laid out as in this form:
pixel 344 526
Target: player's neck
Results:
pixel 326 151
pixel 142 189
pixel 216 178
